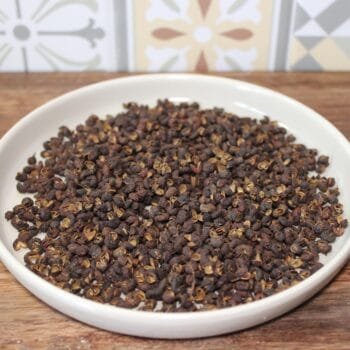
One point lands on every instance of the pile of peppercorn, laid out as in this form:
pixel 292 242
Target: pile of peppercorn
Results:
pixel 175 208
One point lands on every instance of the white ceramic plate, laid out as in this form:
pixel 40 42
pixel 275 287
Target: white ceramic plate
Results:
pixel 107 97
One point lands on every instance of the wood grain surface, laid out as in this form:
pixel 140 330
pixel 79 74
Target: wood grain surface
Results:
pixel 321 323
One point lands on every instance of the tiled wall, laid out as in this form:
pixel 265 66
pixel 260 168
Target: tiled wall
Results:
pixel 174 35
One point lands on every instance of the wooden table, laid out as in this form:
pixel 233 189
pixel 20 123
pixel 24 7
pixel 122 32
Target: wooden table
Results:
pixel 321 323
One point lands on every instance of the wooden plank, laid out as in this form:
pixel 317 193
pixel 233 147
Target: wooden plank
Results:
pixel 321 323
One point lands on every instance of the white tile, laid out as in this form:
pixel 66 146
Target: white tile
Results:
pixel 58 35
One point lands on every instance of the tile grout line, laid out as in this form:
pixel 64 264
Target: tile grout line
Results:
pixel 130 37
pixel 121 33
pixel 284 29
pixel 291 33
pixel 276 12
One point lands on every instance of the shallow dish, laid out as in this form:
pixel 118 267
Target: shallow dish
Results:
pixel 26 137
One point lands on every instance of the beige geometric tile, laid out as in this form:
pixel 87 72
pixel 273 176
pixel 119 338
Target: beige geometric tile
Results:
pixel 202 35
pixel 321 35
pixel 297 51
pixel 336 61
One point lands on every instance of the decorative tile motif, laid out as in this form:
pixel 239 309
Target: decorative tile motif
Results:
pixel 174 35
pixel 321 35
pixel 44 35
pixel 202 35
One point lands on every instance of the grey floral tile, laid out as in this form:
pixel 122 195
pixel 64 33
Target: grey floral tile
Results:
pixel 51 35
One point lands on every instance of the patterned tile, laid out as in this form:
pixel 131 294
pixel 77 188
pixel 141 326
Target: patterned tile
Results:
pixel 202 35
pixel 174 35
pixel 49 35
pixel 321 38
